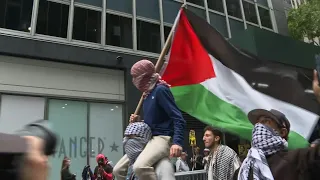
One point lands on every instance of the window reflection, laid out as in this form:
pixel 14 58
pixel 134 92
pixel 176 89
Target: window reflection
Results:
pixel 250 12
pixel 265 17
pixel 167 30
pixel 233 8
pixel 215 5
pixel 87 25
pixel 52 19
pixel 148 8
pixel 148 36
pixel 16 15
pixel 119 31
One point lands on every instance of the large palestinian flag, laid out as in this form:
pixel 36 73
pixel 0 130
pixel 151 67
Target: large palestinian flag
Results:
pixel 218 84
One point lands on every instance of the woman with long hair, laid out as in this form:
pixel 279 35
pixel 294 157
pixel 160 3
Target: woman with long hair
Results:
pixel 65 172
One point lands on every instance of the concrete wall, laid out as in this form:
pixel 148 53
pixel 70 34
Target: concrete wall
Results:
pixel 28 76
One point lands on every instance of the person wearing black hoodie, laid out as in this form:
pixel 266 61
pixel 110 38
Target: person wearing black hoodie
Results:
pixel 65 172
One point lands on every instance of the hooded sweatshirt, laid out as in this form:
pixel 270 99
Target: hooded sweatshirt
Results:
pixel 106 169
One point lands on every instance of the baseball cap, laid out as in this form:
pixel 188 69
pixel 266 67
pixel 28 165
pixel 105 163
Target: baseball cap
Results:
pixel 277 116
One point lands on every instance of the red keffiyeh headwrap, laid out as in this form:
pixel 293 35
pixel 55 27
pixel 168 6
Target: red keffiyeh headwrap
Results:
pixel 144 76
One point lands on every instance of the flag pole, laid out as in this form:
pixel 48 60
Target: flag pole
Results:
pixel 160 61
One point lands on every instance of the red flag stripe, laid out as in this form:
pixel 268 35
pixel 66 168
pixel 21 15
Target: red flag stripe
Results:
pixel 189 63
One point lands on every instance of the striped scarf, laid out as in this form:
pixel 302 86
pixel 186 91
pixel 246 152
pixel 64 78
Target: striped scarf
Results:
pixel 135 145
pixel 224 160
pixel 265 142
pixel 144 76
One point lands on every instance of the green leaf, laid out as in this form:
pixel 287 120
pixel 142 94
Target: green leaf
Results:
pixel 305 21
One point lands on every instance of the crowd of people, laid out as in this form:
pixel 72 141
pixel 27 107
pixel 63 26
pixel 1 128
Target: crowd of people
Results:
pixel 150 142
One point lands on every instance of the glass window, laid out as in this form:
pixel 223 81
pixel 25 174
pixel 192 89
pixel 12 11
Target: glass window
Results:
pixel 265 17
pixel 120 5
pixel 148 36
pixel 236 27
pixel 219 22
pixel 170 10
pixel 119 31
pixel 250 12
pixel 69 120
pixel 91 2
pixel 197 2
pixel 264 2
pixel 52 19
pixel 17 111
pixel 148 8
pixel 233 8
pixel 106 130
pixel 87 25
pixel 16 15
pixel 167 30
pixel 216 5
pixel 199 12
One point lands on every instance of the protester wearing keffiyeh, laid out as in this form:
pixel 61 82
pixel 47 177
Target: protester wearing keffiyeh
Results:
pixel 222 160
pixel 265 142
pixel 162 115
pixel 145 78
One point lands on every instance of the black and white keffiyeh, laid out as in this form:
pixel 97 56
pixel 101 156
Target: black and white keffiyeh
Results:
pixel 134 145
pixel 224 163
pixel 265 142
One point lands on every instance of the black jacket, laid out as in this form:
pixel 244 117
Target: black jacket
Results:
pixel 66 175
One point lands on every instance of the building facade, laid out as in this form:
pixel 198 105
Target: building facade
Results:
pixel 69 61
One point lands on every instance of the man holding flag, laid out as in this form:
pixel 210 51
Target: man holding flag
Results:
pixel 161 115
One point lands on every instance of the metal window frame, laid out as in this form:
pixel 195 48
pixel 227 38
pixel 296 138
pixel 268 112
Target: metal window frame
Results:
pixel 104 10
pixel 104 22
pixel 257 12
pixel 217 12
pixel 134 26
pixel 243 15
pixel 268 9
pixel 92 8
pixel 118 13
pixel 87 6
pixel 255 9
pixel 34 17
pixel 205 2
pixel 151 21
pixel 225 9
pixel 273 17
pixel 70 21
pixel 161 23
pixel 35 24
